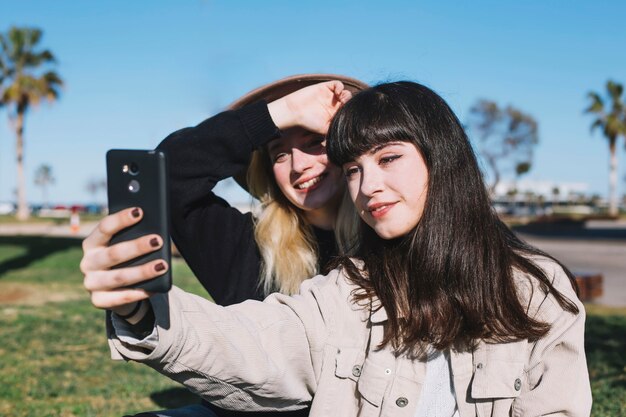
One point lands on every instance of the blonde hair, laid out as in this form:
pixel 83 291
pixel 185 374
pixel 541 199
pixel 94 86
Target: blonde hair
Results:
pixel 285 239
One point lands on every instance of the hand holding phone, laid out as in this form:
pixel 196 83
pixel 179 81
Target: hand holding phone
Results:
pixel 138 178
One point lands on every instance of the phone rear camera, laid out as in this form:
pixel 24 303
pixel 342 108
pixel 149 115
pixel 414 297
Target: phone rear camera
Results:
pixel 132 168
pixel 133 186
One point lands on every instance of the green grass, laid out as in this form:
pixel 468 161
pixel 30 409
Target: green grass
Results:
pixel 55 359
pixel 605 345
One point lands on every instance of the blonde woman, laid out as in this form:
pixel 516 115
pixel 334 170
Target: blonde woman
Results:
pixel 273 141
pixel 237 256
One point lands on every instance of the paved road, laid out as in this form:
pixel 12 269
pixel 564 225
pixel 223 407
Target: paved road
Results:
pixel 586 248
pixel 591 256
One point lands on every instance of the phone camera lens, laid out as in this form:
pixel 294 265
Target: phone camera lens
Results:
pixel 133 186
pixel 133 169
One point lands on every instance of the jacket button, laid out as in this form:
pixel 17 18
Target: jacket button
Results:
pixel 356 370
pixel 479 366
pixel 518 384
pixel 402 402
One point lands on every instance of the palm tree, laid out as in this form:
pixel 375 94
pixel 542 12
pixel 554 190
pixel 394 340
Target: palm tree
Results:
pixel 95 185
pixel 3 75
pixel 28 83
pixel 44 178
pixel 613 124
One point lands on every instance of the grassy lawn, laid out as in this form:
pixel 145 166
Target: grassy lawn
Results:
pixel 55 359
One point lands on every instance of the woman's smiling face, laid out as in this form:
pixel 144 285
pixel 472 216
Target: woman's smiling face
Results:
pixel 302 170
pixel 388 186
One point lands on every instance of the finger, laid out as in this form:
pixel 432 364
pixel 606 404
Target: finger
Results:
pixel 107 257
pixel 345 96
pixel 340 95
pixel 124 277
pixel 110 225
pixel 111 299
pixel 335 86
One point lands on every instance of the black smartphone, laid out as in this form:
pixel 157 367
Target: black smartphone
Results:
pixel 138 178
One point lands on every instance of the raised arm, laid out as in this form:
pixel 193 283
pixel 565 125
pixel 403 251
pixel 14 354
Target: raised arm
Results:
pixel 215 239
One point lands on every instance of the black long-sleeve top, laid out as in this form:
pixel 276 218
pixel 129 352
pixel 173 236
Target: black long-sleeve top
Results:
pixel 216 240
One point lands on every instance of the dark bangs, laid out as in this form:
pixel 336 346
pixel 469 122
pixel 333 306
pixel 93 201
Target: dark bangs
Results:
pixel 368 120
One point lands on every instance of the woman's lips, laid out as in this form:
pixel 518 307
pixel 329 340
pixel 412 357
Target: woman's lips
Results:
pixel 311 184
pixel 380 209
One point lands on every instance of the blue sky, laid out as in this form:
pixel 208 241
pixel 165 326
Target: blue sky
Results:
pixel 136 71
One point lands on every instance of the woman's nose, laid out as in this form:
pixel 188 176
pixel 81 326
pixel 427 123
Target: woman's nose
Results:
pixel 301 161
pixel 371 182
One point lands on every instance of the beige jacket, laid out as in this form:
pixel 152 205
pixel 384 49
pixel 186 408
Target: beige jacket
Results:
pixel 319 348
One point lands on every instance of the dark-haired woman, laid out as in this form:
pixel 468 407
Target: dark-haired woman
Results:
pixel 442 312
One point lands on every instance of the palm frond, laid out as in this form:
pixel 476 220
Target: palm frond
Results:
pixel 615 90
pixel 24 62
pixel 596 124
pixel 597 104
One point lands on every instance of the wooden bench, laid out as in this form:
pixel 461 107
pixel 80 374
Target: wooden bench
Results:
pixel 590 286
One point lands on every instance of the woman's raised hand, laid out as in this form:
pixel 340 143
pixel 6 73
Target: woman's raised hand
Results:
pixel 106 285
pixel 311 108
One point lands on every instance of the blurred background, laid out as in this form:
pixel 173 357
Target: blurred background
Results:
pixel 133 72
pixel 538 85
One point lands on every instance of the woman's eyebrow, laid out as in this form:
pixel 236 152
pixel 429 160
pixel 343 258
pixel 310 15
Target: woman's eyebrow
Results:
pixel 383 146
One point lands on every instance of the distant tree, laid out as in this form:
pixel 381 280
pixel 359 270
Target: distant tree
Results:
pixel 4 72
pixel 3 75
pixel 577 197
pixel 596 200
pixel 95 185
pixel 612 121
pixel 507 137
pixel 44 178
pixel 530 197
pixel 522 168
pixel 555 195
pixel 512 194
pixel 28 82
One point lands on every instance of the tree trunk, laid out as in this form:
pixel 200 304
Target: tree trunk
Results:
pixel 613 179
pixel 45 195
pixel 22 205
pixel 491 161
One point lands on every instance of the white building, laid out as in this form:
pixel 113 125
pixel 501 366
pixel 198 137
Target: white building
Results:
pixel 545 189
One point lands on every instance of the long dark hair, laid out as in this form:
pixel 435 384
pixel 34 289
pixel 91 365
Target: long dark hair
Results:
pixel 450 280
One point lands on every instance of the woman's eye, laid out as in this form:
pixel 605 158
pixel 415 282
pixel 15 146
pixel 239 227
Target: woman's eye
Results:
pixel 350 172
pixel 388 159
pixel 280 157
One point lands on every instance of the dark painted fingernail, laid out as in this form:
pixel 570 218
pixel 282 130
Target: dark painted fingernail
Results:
pixel 136 213
pixel 159 267
pixel 154 242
